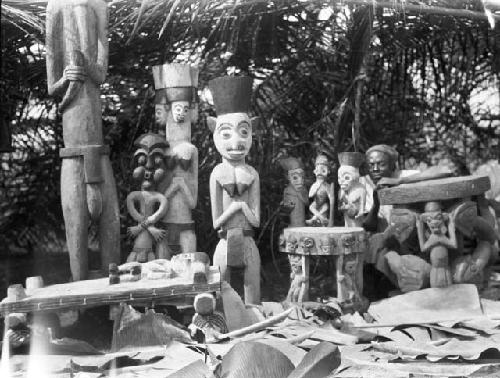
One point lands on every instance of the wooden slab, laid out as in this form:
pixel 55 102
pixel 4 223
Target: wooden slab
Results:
pixel 97 292
pixel 434 190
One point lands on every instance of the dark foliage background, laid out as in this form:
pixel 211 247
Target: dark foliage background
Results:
pixel 329 75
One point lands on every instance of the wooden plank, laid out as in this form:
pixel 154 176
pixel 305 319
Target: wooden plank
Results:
pixel 434 190
pixel 97 292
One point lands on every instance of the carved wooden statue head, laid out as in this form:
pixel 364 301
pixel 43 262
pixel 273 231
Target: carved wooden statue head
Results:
pixel 382 161
pixel 321 167
pixel 434 218
pixel 295 171
pixel 176 99
pixel 348 173
pixel 149 160
pixel 232 129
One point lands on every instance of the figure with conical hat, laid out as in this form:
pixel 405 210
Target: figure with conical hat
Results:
pixel 321 194
pixel 234 185
pixel 176 108
pixel 148 206
pixel 352 194
pixel 295 197
pixel 77 63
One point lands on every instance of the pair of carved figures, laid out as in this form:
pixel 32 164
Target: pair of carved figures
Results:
pixel 168 169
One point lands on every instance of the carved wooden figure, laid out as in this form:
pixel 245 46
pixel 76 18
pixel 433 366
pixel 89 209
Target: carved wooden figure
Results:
pixel 176 86
pixel 234 185
pixel 149 159
pixel 77 62
pixel 295 195
pixel 321 194
pixel 352 195
pixel 298 287
pixel 436 243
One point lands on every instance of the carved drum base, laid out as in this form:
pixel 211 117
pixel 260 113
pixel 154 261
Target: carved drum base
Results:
pixel 346 244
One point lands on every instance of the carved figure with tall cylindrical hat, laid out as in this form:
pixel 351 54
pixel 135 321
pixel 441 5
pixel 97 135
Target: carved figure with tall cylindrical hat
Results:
pixel 77 63
pixel 352 194
pixel 234 185
pixel 176 108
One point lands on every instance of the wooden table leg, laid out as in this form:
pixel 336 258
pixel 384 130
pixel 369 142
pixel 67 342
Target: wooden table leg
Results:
pixel 305 270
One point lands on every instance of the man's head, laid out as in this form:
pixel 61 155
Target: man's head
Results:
pixel 381 161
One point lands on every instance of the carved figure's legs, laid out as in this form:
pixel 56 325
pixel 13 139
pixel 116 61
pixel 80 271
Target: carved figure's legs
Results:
pixel 187 240
pixel 76 216
pixel 469 268
pixel 440 275
pixel 163 251
pixel 109 222
pixel 251 271
pixel 220 259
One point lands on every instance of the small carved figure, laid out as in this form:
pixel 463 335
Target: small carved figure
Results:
pixel 77 63
pixel 326 244
pixel 234 185
pixel 297 279
pixel 477 242
pixel 291 244
pixel 321 193
pixel 307 245
pixel 349 291
pixel 150 161
pixel 437 243
pixel 176 109
pixel 352 195
pixel 210 322
pixel 295 195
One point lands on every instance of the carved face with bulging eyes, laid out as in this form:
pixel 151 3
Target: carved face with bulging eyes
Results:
pixel 348 176
pixel 149 160
pixel 296 178
pixel 180 110
pixel 233 136
pixel 161 111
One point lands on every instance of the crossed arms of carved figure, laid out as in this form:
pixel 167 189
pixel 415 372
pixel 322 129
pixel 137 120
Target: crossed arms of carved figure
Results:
pixel 146 219
pixel 251 210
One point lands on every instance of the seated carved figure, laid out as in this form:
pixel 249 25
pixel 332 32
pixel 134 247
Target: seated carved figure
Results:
pixel 321 193
pixel 297 279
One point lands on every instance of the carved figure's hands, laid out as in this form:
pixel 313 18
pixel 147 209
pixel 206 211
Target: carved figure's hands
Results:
pixel 74 73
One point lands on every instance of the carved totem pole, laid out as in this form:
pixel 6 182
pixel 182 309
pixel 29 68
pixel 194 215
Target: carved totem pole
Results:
pixel 321 194
pixel 77 63
pixel 149 159
pixel 176 105
pixel 234 185
pixel 352 195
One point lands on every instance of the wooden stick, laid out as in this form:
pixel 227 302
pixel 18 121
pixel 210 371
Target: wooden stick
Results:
pixel 257 326
pixel 387 325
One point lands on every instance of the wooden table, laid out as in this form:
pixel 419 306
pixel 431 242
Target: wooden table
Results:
pixel 90 293
pixel 339 242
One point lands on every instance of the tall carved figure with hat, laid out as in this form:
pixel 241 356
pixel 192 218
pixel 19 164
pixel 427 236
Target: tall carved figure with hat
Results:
pixel 295 197
pixel 352 194
pixel 234 185
pixel 321 194
pixel 176 108
pixel 77 63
